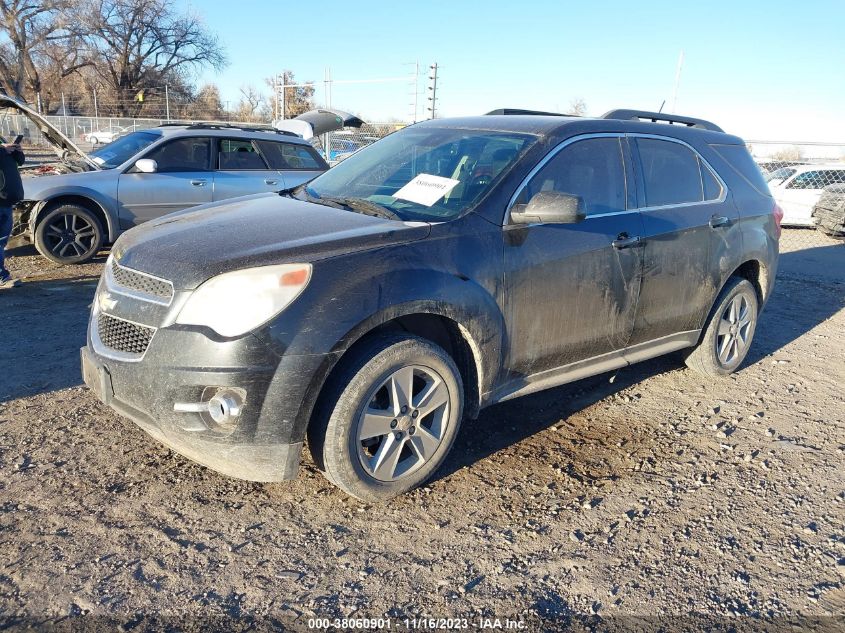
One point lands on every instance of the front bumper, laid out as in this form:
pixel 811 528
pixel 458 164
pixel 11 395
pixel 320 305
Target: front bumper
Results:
pixel 263 446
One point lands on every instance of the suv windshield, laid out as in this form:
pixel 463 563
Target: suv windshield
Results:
pixel 422 162
pixel 118 152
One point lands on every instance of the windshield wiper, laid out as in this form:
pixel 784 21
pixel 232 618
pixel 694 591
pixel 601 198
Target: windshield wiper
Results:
pixel 361 205
pixel 288 191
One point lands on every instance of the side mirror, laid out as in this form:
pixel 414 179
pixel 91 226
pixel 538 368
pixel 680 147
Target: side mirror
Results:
pixel 146 166
pixel 550 207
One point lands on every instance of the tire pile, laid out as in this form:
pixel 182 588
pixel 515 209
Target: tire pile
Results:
pixel 829 211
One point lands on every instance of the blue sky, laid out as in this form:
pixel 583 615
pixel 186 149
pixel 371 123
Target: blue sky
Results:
pixel 773 70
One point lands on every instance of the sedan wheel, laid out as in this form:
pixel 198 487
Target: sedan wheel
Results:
pixel 69 235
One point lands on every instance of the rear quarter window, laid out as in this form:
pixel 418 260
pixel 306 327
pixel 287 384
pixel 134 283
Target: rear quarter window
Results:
pixel 738 157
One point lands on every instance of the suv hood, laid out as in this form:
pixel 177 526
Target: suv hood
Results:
pixel 65 148
pixel 192 246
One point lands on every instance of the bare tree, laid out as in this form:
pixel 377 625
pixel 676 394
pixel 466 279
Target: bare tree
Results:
pixel 252 106
pixel 297 100
pixel 792 153
pixel 577 107
pixel 38 42
pixel 207 104
pixel 139 45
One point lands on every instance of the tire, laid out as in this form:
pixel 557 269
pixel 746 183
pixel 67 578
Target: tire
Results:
pixel 69 234
pixel 354 450
pixel 729 331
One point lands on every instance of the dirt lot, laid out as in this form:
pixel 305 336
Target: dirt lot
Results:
pixel 657 494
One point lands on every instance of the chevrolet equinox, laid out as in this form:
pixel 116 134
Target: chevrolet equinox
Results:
pixel 452 265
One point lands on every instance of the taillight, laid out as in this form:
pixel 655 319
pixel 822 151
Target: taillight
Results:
pixel 778 213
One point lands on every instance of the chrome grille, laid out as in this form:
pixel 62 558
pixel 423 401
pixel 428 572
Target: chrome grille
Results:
pixel 142 283
pixel 123 336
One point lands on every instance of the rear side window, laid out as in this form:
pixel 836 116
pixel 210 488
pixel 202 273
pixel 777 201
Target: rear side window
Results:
pixel 817 179
pixel 592 169
pixel 738 157
pixel 290 155
pixel 239 155
pixel 671 173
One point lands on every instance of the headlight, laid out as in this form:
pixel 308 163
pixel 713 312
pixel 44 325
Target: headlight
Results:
pixel 234 303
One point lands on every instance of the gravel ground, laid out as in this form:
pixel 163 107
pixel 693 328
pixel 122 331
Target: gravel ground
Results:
pixel 652 493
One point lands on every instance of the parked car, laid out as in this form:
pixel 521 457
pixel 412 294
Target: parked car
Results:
pixel 454 264
pixel 104 136
pixel 798 192
pixel 146 174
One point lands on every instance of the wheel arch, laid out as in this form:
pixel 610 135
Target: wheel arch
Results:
pixel 753 270
pixel 78 198
pixel 443 330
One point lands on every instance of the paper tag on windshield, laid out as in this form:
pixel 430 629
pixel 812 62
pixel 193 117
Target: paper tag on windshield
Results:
pixel 426 189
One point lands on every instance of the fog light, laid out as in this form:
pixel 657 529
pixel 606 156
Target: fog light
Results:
pixel 224 408
pixel 219 409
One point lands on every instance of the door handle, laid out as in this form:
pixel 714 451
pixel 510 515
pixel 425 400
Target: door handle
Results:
pixel 198 183
pixel 623 241
pixel 719 220
pixel 270 181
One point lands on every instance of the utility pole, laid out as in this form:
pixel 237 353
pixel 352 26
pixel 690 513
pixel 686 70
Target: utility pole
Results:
pixel 167 101
pixel 96 109
pixel 432 85
pixel 283 101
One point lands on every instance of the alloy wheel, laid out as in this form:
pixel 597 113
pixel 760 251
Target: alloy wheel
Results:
pixel 734 333
pixel 70 235
pixel 403 423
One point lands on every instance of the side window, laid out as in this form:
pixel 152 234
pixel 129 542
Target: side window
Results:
pixel 712 187
pixel 671 174
pixel 592 169
pixel 183 154
pixel 238 155
pixel 807 180
pixel 290 155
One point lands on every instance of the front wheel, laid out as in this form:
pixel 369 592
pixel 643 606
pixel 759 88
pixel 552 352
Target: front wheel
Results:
pixel 390 419
pixel 69 234
pixel 728 334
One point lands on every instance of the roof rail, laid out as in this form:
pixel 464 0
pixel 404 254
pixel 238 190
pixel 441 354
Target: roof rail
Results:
pixel 654 117
pixel 521 111
pixel 203 125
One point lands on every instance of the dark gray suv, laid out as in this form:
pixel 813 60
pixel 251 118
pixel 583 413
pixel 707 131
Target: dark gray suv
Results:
pixel 450 266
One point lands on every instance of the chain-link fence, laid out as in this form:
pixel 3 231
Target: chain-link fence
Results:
pixel 806 179
pixel 808 182
pixel 90 132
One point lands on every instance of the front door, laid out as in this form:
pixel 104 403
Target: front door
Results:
pixel 183 179
pixel 571 290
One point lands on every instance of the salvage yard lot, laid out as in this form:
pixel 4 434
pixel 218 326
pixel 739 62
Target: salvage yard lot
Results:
pixel 656 493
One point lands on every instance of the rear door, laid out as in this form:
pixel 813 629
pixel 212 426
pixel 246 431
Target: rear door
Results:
pixel 183 179
pixel 571 289
pixel 689 223
pixel 296 162
pixel 242 170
